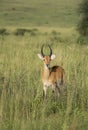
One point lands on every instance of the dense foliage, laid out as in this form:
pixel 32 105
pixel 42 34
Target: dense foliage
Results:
pixel 83 24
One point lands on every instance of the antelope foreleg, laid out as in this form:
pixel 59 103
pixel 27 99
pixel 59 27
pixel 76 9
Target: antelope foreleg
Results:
pixel 44 92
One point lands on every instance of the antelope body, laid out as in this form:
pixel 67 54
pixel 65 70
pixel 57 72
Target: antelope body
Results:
pixel 52 76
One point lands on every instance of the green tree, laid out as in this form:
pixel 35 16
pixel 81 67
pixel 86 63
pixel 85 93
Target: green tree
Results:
pixel 83 23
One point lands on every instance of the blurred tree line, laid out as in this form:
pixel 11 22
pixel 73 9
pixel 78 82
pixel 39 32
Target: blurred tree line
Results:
pixel 83 23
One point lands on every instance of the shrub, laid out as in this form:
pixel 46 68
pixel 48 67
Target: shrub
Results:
pixel 2 31
pixel 83 23
pixel 23 31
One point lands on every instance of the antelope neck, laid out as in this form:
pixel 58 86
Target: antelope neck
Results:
pixel 46 71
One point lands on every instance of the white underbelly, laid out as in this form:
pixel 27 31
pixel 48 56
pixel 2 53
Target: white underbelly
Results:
pixel 47 83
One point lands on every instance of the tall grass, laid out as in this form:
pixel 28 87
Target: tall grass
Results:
pixel 21 104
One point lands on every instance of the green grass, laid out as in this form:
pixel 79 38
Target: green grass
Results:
pixel 25 27
pixel 21 104
pixel 39 13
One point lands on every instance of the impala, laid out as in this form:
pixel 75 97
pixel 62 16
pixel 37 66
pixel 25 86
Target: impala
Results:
pixel 52 76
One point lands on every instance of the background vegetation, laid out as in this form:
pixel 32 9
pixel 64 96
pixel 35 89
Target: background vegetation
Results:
pixel 39 13
pixel 83 24
pixel 21 104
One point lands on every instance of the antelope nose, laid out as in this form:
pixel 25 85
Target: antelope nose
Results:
pixel 47 65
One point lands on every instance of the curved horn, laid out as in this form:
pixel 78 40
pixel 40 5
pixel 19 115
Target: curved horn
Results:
pixel 42 51
pixel 50 50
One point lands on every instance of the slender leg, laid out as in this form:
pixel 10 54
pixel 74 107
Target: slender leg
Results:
pixel 58 89
pixel 53 88
pixel 44 92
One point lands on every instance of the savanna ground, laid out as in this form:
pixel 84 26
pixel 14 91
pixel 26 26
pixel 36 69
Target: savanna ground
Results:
pixel 25 27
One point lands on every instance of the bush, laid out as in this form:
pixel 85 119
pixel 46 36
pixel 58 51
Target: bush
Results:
pixel 23 31
pixel 83 24
pixel 3 31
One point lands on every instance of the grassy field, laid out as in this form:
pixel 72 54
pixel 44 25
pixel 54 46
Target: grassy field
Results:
pixel 24 28
pixel 39 13
pixel 21 105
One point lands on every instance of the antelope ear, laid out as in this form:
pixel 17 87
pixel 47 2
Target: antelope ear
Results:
pixel 53 56
pixel 40 56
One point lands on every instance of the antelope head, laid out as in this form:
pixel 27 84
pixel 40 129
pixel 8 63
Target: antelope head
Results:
pixel 46 58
